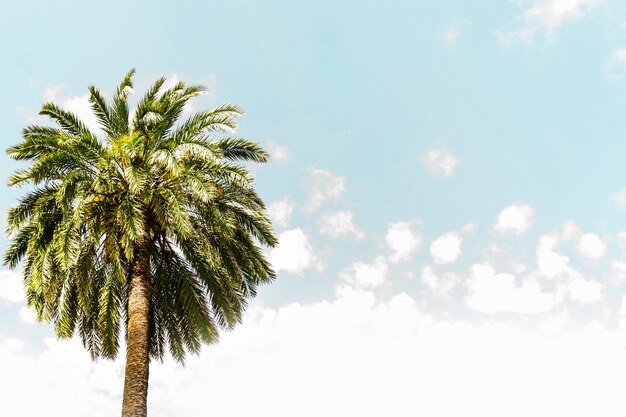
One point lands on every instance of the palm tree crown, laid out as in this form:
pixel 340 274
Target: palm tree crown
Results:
pixel 150 192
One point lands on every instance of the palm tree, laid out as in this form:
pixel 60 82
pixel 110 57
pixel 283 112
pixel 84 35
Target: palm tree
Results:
pixel 150 226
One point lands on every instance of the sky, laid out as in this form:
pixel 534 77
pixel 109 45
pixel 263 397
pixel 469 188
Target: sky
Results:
pixel 447 183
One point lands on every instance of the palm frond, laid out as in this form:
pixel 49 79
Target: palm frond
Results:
pixel 155 189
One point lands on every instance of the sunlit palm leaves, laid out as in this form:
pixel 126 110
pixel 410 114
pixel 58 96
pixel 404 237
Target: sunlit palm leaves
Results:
pixel 150 175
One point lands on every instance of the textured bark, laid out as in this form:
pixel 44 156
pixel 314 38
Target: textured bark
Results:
pixel 137 343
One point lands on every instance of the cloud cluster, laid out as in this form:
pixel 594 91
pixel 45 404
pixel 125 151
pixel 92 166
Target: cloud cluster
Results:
pixel 372 349
pixel 520 288
pixel 491 292
pixel 543 18
pixel 556 266
pixel 353 355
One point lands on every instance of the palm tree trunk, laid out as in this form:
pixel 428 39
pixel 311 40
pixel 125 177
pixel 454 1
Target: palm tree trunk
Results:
pixel 137 338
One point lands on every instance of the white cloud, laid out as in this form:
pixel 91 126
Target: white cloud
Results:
pixel 67 382
pixel 29 115
pixel 327 348
pixel 77 104
pixel 28 315
pixel 366 276
pixel 338 224
pixel 58 94
pixel 294 253
pixel 490 292
pixel 280 212
pixel 553 13
pixel 591 246
pixel 446 248
pixel 585 291
pixel 324 186
pixel 543 18
pixel 614 70
pixel 440 162
pixel 554 265
pixel 402 241
pixel 278 152
pixel 515 219
pixel 551 264
pixel 11 288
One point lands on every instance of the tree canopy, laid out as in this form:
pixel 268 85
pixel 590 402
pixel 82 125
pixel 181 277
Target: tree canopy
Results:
pixel 144 176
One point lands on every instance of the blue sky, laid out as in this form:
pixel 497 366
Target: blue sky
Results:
pixel 448 184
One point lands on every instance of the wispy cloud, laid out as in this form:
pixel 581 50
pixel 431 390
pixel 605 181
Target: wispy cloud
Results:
pixel 440 162
pixel 542 19
pixel 323 185
pixel 614 70
pixel 280 212
pixel 339 224
pixel 279 153
pixel 453 32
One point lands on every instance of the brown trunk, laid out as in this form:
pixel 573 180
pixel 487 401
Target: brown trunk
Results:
pixel 137 338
